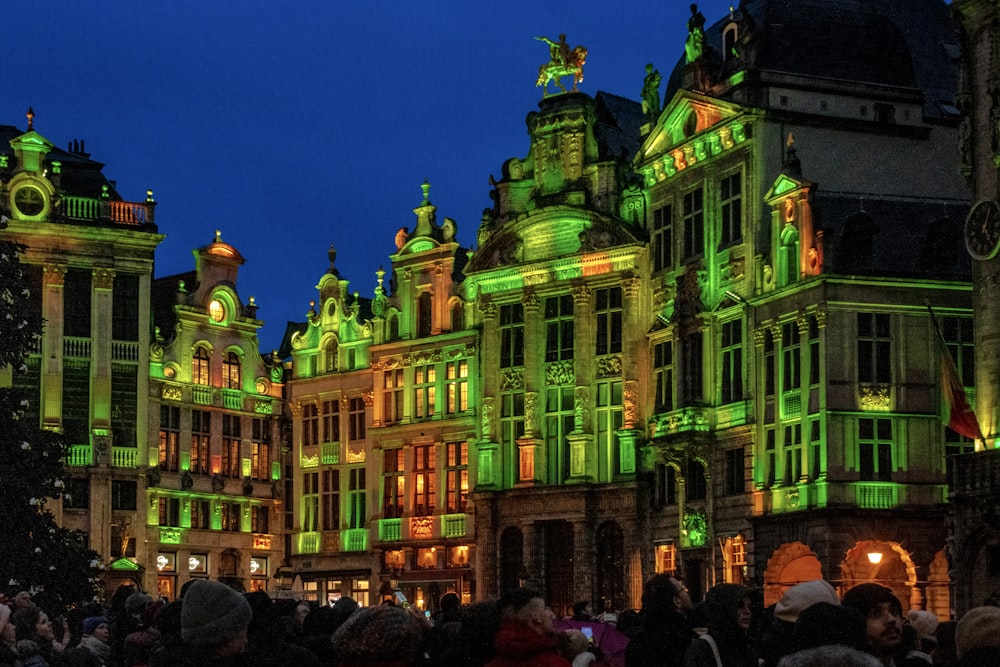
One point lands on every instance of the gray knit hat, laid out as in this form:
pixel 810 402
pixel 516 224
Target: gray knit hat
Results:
pixel 212 614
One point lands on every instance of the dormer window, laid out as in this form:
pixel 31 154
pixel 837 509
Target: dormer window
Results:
pixel 200 367
pixel 730 35
pixel 216 310
pixel 29 201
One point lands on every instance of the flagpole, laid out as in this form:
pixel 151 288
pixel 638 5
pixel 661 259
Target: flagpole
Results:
pixel 979 439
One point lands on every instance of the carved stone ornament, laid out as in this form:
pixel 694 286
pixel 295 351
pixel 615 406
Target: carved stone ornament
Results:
pixel 559 373
pixel 488 417
pixel 609 367
pixel 531 412
pixel 874 397
pixel 512 379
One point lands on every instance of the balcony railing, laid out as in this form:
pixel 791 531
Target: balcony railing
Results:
pixel 685 420
pixel 232 399
pixel 390 530
pixel 80 455
pixel 76 347
pixel 202 395
pixel 977 473
pixel 124 457
pixel 123 350
pixel 355 539
pixel 121 212
pixel 330 453
pixel 877 496
pixel 453 525
pixel 309 543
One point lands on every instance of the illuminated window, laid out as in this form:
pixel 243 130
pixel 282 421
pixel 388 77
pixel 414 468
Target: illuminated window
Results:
pixel 662 238
pixel 731 200
pixel 511 335
pixel 392 396
pixel 356 419
pixel 260 449
pixel 170 512
pixel 216 310
pixel 663 376
pixel 511 422
pixel 456 386
pixel 200 367
pixel 310 502
pixel 231 371
pixel 734 553
pixel 331 499
pixel 259 519
pixel 197 564
pixel 393 483
pixel 791 360
pixel 331 421
pixel 693 223
pixel 875 450
pixel 170 436
pixel 310 425
pixel 610 416
pixel 201 438
pixel 232 517
pixel 424 388
pixel 29 200
pixel 357 513
pixel 231 460
pixel 608 310
pixel 874 348
pixel 559 328
pixel 560 417
pixel 666 559
pixel 691 378
pixel 427 558
pixel 330 356
pixel 424 480
pixel 201 514
pixel 957 334
pixel 457 476
pixel 792 446
pixel 732 362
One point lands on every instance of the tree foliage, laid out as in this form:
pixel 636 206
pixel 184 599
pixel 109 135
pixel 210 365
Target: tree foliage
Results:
pixel 35 552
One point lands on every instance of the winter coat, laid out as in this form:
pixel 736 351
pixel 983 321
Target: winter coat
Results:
pixel 519 645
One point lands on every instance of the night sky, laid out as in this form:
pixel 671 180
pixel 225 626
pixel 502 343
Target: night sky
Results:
pixel 293 125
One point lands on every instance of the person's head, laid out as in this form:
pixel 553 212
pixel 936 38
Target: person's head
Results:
pixel 302 610
pixel 527 606
pixel 23 600
pixel 665 593
pixel 215 617
pixel 883 617
pixel 800 597
pixel 978 629
pixel 97 627
pixel 385 634
pixel 33 623
pixel 136 603
pixel 583 608
pixel 728 607
pixel 830 656
pixel 924 625
pixel 576 642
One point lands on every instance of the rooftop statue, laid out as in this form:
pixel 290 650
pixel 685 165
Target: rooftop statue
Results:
pixel 562 62
pixel 694 47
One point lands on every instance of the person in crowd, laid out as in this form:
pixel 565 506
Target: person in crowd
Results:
pixel 23 601
pixel 578 649
pixel 8 638
pixel 726 642
pixel 583 611
pixel 96 633
pixel 831 655
pixel 125 617
pixel 302 610
pixel 920 637
pixel 776 640
pixel 883 619
pixel 214 622
pixel 33 624
pixel 827 624
pixel 29 654
pixel 663 633
pixel 385 635
pixel 320 625
pixel 977 636
pixel 139 644
pixel 629 623
pixel 526 635
pixel 268 641
pixel 480 624
pixel 446 625
pixel 944 654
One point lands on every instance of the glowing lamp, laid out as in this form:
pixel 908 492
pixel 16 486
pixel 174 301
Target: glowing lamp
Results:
pixel 874 557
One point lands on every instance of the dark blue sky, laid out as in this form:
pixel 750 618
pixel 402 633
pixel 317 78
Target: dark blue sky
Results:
pixel 290 126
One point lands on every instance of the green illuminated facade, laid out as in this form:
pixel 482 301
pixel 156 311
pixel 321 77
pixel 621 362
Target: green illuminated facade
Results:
pixel 90 260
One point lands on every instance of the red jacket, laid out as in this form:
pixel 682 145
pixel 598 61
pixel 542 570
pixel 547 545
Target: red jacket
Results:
pixel 518 644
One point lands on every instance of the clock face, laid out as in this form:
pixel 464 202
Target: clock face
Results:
pixel 982 230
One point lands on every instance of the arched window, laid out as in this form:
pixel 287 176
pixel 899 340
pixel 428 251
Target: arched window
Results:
pixel 330 356
pixel 729 36
pixel 231 371
pixel 200 367
pixel 424 315
pixel 788 258
pixel 457 316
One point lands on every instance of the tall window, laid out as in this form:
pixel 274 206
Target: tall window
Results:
pixel 231 371
pixel 330 356
pixel 201 514
pixel 457 476
pixel 331 421
pixel 456 378
pixel 457 316
pixel 816 467
pixel 695 484
pixel 231 463
pixel 424 314
pixel 955 444
pixel 770 456
pixel 170 436
pixel 259 519
pixel 310 502
pixel 232 517
pixel 424 388
pixel 170 512
pixel 957 334
pixel 875 450
pixel 392 398
pixel 663 376
pixel 356 419
pixel 559 328
pixel 610 417
pixel 732 482
pixel 424 481
pixel 560 417
pixel 664 485
pixel 732 361
pixel 814 359
pixel 511 421
pixel 393 483
pixel 662 237
pixel 511 335
pixel 691 350
pixel 768 363
pixel 791 359
pixel 200 367
pixel 76 303
pixel 310 424
pixel 123 494
pixel 125 307
pixel 124 403
pixel 201 439
pixel 608 309
pixel 694 223
pixel 331 499
pixel 874 348
pixel 356 511
pixel 730 196
pixel 793 454
pixel 260 449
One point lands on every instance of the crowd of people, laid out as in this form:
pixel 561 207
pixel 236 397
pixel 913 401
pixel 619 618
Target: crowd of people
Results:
pixel 214 625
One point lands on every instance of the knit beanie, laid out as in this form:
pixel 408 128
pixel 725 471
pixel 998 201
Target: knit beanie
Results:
pixel 866 597
pixel 90 624
pixel 801 596
pixel 924 623
pixel 385 634
pixel 135 603
pixel 212 614
pixel 979 628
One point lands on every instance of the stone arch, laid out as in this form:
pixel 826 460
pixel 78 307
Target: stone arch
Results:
pixel 790 564
pixel 938 595
pixel 894 569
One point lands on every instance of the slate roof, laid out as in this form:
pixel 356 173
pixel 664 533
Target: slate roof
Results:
pixel 617 126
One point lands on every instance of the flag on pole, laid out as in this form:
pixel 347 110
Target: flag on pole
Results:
pixel 955 411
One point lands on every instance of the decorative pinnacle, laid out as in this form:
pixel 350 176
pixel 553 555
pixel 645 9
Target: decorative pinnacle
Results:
pixel 31 119
pixel 426 187
pixel 218 236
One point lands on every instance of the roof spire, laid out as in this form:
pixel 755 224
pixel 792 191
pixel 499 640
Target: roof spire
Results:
pixel 31 119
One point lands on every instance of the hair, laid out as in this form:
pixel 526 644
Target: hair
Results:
pixel 580 607
pixel 830 656
pixel 514 601
pixel 658 594
pixel 379 634
pixel 25 620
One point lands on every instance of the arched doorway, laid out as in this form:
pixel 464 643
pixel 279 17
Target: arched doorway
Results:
pixel 790 564
pixel 512 570
pixel 610 568
pixel 886 563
